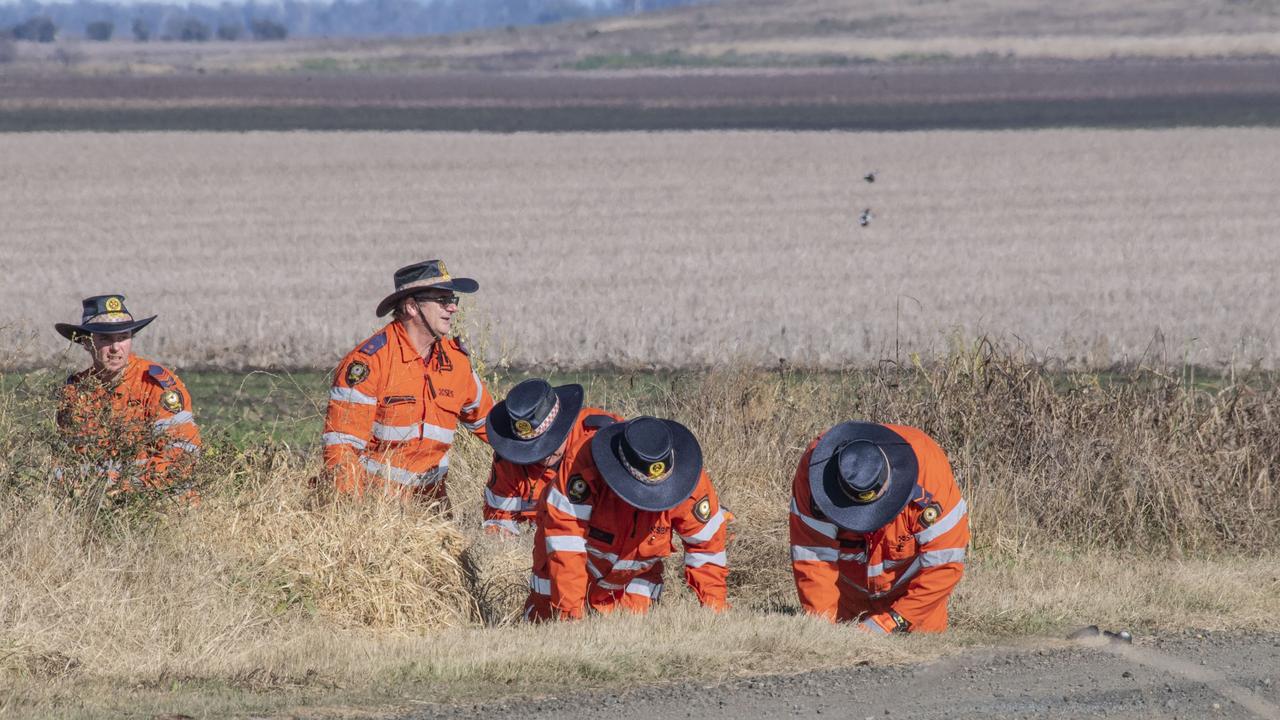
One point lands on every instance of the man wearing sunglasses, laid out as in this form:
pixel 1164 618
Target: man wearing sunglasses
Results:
pixel 398 397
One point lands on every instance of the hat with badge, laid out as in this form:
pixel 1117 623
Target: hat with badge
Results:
pixel 425 275
pixel 650 463
pixel 861 475
pixel 102 314
pixel 533 420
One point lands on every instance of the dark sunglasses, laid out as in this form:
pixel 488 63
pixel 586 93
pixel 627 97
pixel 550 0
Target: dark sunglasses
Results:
pixel 442 300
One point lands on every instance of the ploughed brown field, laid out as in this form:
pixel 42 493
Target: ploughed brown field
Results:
pixel 667 249
pixel 885 96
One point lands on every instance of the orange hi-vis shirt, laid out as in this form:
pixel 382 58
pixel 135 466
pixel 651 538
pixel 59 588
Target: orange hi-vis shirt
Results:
pixel 594 549
pixel 139 430
pixel 909 566
pixel 393 414
pixel 513 492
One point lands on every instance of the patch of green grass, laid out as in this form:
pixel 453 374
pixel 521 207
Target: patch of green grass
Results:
pixel 249 408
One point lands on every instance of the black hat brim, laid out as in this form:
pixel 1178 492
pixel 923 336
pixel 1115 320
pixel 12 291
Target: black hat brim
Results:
pixel 828 490
pixel 509 446
pixel 72 331
pixel 459 284
pixel 606 452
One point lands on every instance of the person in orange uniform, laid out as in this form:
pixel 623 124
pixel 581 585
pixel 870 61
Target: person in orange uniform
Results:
pixel 398 397
pixel 878 528
pixel 530 431
pixel 130 417
pixel 610 518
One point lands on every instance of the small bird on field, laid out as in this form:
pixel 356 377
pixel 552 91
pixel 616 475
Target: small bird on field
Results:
pixel 865 218
pixel 871 176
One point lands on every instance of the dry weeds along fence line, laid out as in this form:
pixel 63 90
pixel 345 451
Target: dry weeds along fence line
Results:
pixel 256 580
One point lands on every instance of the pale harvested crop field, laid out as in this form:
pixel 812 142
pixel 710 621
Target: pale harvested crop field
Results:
pixel 669 249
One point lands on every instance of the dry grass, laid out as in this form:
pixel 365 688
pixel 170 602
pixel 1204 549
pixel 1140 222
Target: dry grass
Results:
pixel 1131 501
pixel 670 249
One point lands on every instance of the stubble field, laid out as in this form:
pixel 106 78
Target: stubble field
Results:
pixel 672 249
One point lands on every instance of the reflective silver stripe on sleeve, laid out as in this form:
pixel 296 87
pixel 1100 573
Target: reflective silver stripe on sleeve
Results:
pixel 597 552
pixel 437 433
pixel 406 477
pixel 557 500
pixel 858 557
pixel 708 531
pixel 475 425
pixel 880 567
pixel 181 418
pixel 805 553
pixel 184 446
pixel 542 586
pixel 694 560
pixel 351 395
pixel 947 522
pixel 479 394
pixel 508 525
pixel 906 575
pixel 566 543
pixel 874 627
pixel 504 502
pixel 591 567
pixel 395 433
pixel 644 588
pixel 934 558
pixel 633 565
pixel 337 438
pixel 825 528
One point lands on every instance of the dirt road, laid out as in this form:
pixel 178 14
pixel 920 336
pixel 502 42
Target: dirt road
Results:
pixel 1195 675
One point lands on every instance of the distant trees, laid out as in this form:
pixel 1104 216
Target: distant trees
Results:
pixel 188 29
pixel 99 30
pixel 264 29
pixel 39 20
pixel 36 29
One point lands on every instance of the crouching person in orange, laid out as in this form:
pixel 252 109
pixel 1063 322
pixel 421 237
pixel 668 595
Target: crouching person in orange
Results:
pixel 398 398
pixel 131 418
pixel 878 528
pixel 529 432
pixel 611 517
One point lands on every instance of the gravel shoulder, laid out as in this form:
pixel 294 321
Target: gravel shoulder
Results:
pixel 1194 675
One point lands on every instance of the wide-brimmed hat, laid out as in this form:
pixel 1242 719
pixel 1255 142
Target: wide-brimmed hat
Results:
pixel 415 278
pixel 533 420
pixel 862 475
pixel 650 463
pixel 102 314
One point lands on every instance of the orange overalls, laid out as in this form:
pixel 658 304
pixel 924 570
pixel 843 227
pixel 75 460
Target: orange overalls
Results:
pixel 139 431
pixel 392 414
pixel 593 548
pixel 513 492
pixel 910 566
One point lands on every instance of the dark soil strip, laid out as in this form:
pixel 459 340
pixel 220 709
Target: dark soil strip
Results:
pixel 1162 112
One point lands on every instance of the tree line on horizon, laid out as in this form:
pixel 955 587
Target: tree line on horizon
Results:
pixel 36 21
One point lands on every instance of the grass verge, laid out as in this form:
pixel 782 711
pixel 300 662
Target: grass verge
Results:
pixel 1131 500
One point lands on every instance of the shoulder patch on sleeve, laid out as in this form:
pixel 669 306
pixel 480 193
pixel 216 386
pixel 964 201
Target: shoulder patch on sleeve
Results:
pixel 357 372
pixel 578 489
pixel 373 344
pixel 161 376
pixel 702 509
pixel 171 400
pixel 598 421
pixel 930 514
pixel 461 345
